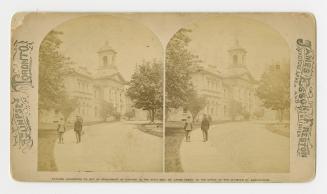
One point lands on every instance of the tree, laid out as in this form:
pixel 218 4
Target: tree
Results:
pixel 130 114
pixel 195 104
pixel 51 64
pixel 145 88
pixel 67 106
pixel 180 62
pixel 107 109
pixel 159 113
pixel 259 113
pixel 235 109
pixel 246 114
pixel 116 115
pixel 274 90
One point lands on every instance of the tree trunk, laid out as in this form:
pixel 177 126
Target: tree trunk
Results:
pixel 194 115
pixel 281 115
pixel 152 115
pixel 149 115
pixel 166 115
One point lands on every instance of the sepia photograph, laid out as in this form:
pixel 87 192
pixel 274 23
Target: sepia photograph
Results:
pixel 163 97
pixel 228 97
pixel 100 97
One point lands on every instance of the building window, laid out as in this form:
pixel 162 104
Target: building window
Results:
pixel 105 60
pixel 235 59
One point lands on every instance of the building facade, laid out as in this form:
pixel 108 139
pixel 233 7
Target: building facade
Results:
pixel 224 89
pixel 91 89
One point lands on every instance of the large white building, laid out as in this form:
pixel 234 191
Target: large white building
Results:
pixel 91 89
pixel 222 88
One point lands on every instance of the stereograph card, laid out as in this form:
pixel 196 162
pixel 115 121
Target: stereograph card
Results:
pixel 163 97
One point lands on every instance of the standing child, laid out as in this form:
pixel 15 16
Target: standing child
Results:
pixel 61 130
pixel 188 128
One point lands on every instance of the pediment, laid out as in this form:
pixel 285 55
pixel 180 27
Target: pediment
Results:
pixel 247 76
pixel 118 78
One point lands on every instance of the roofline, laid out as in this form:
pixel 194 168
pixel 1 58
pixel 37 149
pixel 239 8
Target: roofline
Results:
pixel 226 77
pixel 81 74
pixel 239 77
pixel 233 49
pixel 105 50
pixel 98 78
pixel 207 71
pixel 110 76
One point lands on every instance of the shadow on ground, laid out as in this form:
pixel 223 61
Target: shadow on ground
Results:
pixel 46 143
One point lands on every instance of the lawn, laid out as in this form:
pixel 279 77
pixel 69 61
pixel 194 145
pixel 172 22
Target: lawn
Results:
pixel 155 129
pixel 280 128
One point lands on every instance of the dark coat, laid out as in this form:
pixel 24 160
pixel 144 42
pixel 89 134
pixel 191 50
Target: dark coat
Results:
pixel 205 124
pixel 78 126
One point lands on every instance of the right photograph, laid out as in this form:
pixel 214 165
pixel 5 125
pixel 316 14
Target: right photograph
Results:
pixel 227 105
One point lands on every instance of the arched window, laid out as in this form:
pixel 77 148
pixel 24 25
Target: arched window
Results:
pixel 235 59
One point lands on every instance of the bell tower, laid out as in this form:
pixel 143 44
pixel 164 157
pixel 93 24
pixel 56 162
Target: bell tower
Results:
pixel 237 55
pixel 107 57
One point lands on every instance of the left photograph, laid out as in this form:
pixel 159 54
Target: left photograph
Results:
pixel 100 97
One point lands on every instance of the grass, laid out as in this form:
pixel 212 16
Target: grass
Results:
pixel 280 128
pixel 152 129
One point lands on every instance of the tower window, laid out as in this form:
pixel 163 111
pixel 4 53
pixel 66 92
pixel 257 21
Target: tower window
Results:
pixel 105 60
pixel 235 59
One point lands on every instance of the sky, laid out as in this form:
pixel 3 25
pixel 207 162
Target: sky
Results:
pixel 132 41
pixel 214 36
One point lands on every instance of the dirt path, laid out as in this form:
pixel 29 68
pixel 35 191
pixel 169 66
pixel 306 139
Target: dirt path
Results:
pixel 236 147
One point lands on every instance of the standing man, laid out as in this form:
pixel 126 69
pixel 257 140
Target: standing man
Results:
pixel 78 129
pixel 205 124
